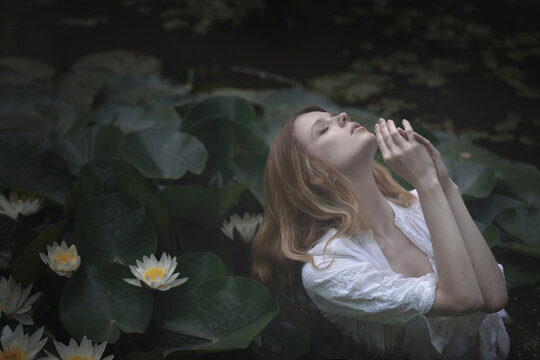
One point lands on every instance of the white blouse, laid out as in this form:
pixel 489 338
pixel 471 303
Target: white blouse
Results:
pixel 384 312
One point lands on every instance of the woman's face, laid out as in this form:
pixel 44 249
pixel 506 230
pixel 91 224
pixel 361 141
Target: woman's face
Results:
pixel 334 139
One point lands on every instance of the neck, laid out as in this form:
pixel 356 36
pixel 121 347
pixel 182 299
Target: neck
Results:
pixel 374 212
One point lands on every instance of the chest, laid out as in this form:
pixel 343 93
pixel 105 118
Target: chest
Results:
pixel 403 256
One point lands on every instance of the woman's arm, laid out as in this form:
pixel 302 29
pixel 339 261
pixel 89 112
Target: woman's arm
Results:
pixel 458 287
pixel 488 274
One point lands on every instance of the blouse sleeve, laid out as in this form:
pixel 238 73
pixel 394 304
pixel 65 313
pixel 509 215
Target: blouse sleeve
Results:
pixel 356 289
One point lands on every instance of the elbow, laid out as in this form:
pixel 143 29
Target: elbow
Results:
pixel 495 304
pixel 471 304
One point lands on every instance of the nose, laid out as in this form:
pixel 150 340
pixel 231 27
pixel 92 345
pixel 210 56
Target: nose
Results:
pixel 343 118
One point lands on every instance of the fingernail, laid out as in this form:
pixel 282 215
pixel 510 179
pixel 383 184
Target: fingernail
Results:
pixel 381 119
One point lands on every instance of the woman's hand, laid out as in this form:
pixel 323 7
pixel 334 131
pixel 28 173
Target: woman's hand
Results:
pixel 405 155
pixel 442 173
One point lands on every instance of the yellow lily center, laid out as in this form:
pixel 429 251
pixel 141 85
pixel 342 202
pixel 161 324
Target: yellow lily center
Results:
pixel 154 273
pixel 79 357
pixel 12 354
pixel 64 257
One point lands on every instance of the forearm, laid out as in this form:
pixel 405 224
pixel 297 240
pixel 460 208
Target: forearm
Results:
pixel 455 271
pixel 487 272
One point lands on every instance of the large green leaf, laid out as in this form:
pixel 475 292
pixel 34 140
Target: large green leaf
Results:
pixel 132 118
pixel 234 108
pixel 97 177
pixel 205 206
pixel 249 169
pixel 198 267
pixel 217 136
pixel 88 144
pixel 163 154
pixel 113 228
pixel 156 212
pixel 33 169
pixel 118 63
pixel 98 303
pixel 198 323
pixel 473 179
pixel 523 222
pixel 483 211
pixel 28 266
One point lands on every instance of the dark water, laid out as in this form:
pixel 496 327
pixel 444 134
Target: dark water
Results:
pixel 300 40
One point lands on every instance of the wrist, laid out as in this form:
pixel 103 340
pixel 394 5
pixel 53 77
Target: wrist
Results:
pixel 428 183
pixel 448 185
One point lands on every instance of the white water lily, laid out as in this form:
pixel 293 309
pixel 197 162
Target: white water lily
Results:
pixel 19 204
pixel 62 260
pixel 245 227
pixel 18 345
pixel 14 301
pixel 85 351
pixel 157 275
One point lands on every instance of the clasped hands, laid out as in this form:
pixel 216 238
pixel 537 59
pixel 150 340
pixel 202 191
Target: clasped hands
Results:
pixel 409 154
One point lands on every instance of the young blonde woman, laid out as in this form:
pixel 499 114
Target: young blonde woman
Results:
pixel 403 274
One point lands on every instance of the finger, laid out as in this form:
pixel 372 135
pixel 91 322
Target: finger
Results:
pixel 390 144
pixel 403 133
pixel 394 133
pixel 424 142
pixel 409 130
pixel 380 141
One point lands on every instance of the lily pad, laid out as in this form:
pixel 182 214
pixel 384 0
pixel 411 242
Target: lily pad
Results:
pixel 113 228
pixel 23 163
pixel 98 177
pixel 163 154
pixel 198 267
pixel 28 266
pixel 483 211
pixel 132 118
pixel 96 302
pixel 233 108
pixel 523 222
pixel 249 169
pixel 205 206
pixel 131 184
pixel 473 179
pixel 197 323
pixel 88 144
pixel 118 63
pixel 28 66
pixel 350 86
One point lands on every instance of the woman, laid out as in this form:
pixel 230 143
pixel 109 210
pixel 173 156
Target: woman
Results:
pixel 402 274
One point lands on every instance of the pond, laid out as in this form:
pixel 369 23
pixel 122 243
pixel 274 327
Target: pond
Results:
pixel 467 69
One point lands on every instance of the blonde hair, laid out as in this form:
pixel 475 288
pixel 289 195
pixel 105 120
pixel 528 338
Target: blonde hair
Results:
pixel 304 198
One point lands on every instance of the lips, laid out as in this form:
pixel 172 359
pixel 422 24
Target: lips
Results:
pixel 355 126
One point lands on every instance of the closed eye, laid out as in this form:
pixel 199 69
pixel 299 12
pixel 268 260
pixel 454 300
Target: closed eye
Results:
pixel 323 130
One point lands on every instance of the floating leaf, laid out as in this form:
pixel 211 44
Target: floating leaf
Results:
pixel 113 228
pixel 88 144
pixel 197 322
pixel 249 169
pixel 473 179
pixel 97 177
pixel 163 154
pixel 233 108
pixel 23 164
pixel 29 66
pixel 523 222
pixel 132 118
pixel 198 267
pixel 28 266
pixel 118 63
pixel 205 206
pixel 96 302
pixel 483 211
